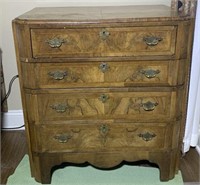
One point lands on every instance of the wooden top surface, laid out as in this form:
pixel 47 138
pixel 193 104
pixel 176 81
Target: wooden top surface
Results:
pixel 102 13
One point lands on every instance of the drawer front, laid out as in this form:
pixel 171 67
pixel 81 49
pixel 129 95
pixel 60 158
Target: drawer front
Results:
pixel 99 137
pixel 143 106
pixel 101 74
pixel 98 42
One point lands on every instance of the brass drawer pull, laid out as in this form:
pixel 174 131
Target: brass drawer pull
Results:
pixel 58 75
pixel 63 138
pixel 149 106
pixel 131 129
pixel 147 136
pixel 104 67
pixel 55 42
pixel 104 34
pixel 152 40
pixel 150 73
pixel 60 108
pixel 103 98
pixel 76 130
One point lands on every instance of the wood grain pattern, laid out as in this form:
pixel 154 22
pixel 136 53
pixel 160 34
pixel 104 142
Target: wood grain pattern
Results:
pixel 104 85
pixel 90 74
pixel 189 165
pixel 104 14
pixel 118 105
pixel 90 137
pixel 89 42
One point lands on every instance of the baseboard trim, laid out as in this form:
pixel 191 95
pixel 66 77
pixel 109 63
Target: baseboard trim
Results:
pixel 198 149
pixel 12 119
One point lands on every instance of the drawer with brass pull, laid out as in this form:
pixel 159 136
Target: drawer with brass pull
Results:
pixel 102 74
pixel 98 42
pixel 101 136
pixel 143 106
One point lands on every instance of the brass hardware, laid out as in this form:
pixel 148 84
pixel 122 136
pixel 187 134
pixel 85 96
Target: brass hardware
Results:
pixel 76 130
pixel 60 108
pixel 63 138
pixel 131 129
pixel 58 75
pixel 55 42
pixel 150 73
pixel 147 136
pixel 104 34
pixel 152 40
pixel 104 129
pixel 103 98
pixel 104 67
pixel 149 106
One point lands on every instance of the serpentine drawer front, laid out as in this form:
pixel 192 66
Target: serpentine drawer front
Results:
pixel 103 85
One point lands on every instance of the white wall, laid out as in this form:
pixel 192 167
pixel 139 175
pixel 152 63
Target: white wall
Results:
pixel 9 9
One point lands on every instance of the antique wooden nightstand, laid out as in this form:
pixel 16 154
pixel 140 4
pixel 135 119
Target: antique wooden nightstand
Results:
pixel 104 85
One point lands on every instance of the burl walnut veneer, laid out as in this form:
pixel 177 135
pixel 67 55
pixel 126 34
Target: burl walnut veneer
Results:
pixel 103 85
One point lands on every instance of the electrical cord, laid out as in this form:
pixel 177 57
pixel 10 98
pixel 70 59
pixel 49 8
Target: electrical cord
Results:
pixel 6 97
pixel 9 89
pixel 12 128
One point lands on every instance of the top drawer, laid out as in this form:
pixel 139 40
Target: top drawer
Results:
pixel 102 42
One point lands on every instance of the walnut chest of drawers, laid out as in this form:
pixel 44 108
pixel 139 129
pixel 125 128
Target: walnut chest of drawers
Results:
pixel 103 85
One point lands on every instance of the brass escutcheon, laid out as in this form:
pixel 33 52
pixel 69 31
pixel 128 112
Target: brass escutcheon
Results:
pixel 104 67
pixel 103 98
pixel 104 34
pixel 104 129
